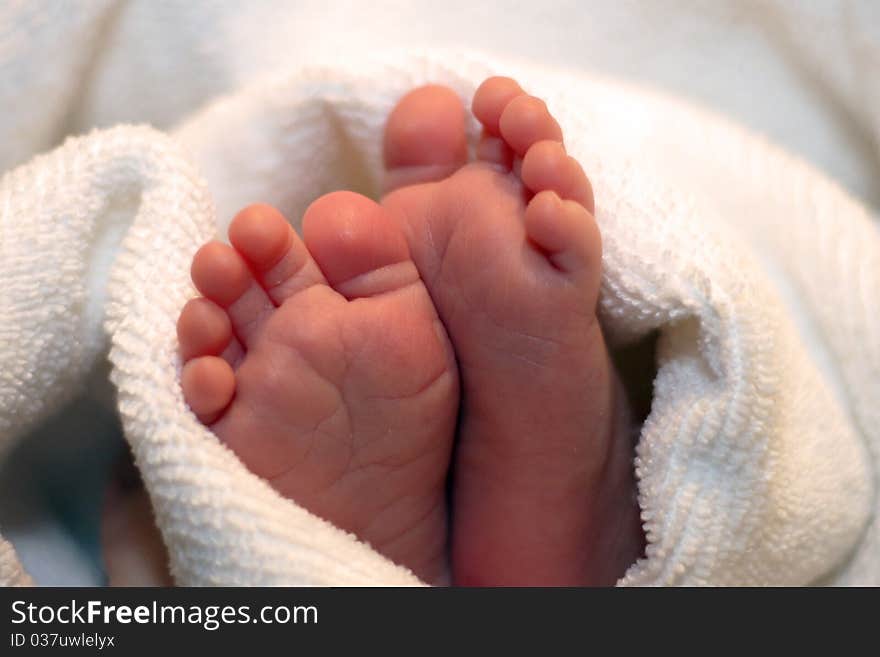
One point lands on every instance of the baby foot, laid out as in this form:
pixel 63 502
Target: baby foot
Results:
pixel 509 250
pixel 322 364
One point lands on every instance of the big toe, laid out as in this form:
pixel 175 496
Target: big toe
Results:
pixel 358 245
pixel 424 137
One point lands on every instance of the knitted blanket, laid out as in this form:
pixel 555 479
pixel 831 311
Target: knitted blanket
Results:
pixel 759 461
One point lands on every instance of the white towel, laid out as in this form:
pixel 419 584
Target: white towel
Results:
pixel 805 73
pixel 758 463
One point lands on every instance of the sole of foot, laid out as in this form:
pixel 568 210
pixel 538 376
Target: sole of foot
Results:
pixel 510 252
pixel 321 362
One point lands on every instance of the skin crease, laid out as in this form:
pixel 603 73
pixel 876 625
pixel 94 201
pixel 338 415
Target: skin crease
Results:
pixel 501 254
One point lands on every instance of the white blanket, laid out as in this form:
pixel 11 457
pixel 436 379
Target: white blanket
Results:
pixel 805 73
pixel 759 461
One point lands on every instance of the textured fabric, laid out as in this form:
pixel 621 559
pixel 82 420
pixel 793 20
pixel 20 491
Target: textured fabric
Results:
pixel 759 460
pixel 807 74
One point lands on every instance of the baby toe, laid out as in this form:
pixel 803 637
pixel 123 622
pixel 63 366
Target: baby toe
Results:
pixel 567 233
pixel 358 245
pixel 490 100
pixel 525 121
pixel 222 275
pixel 208 385
pixel 424 138
pixel 260 234
pixel 546 166
pixel 274 252
pixel 203 329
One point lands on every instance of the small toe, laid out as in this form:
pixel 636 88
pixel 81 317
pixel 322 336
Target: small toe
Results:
pixel 358 246
pixel 275 253
pixel 424 137
pixel 546 166
pixel 261 234
pixel 565 232
pixel 222 275
pixel 490 100
pixel 203 329
pixel 208 385
pixel 525 121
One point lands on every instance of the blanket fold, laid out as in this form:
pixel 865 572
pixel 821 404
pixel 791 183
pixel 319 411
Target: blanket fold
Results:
pixel 759 460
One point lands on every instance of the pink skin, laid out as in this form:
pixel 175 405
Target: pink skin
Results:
pixel 507 246
pixel 323 364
